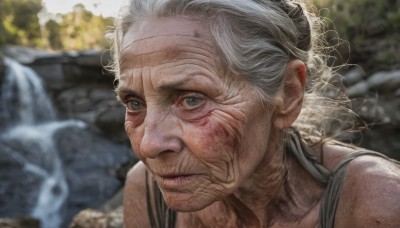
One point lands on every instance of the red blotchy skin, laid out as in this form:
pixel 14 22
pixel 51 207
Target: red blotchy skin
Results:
pixel 215 133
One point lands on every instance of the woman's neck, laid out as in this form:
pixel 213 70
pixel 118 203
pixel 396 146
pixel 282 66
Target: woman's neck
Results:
pixel 277 191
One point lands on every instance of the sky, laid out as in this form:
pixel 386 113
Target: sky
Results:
pixel 107 8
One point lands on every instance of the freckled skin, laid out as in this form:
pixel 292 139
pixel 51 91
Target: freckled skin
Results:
pixel 188 115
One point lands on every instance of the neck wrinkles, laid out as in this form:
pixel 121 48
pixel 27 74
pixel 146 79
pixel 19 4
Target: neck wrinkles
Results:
pixel 252 199
pixel 276 191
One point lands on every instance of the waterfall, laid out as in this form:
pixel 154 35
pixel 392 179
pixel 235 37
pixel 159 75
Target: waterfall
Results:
pixel 28 119
pixel 23 100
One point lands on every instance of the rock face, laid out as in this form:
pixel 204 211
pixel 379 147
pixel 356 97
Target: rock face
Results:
pixel 24 222
pixel 92 218
pixel 56 163
pixel 91 168
pixel 376 99
pixel 89 161
pixel 82 89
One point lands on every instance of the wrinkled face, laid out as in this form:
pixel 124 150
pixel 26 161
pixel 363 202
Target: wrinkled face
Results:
pixel 199 129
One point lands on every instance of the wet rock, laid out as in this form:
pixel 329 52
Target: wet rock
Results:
pixel 64 70
pixel 383 138
pixel 397 93
pixel 93 58
pixel 114 203
pixel 18 186
pixel 22 222
pixel 384 81
pixel 358 90
pixel 353 76
pixel 99 95
pixel 91 218
pixel 91 165
pixel 373 111
pixel 98 107
pixel 111 121
pixel 24 55
pixel 66 99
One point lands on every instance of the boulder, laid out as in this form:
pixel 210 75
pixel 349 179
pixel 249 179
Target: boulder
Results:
pixel 111 121
pixel 25 55
pixel 383 138
pixel 91 164
pixel 22 222
pixel 359 89
pixel 384 81
pixel 92 218
pixel 19 187
pixel 353 76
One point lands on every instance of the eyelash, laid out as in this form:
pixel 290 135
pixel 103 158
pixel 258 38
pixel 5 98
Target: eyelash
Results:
pixel 190 95
pixel 129 99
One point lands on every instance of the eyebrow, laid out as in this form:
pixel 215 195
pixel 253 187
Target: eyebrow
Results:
pixel 165 86
pixel 168 85
pixel 124 90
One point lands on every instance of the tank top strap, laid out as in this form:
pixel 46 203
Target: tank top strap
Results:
pixel 331 195
pixel 296 146
pixel 160 215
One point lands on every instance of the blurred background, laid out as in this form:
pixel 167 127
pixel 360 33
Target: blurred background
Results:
pixel 63 150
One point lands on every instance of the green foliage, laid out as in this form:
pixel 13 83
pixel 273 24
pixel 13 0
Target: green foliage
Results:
pixel 19 23
pixel 53 30
pixel 371 27
pixel 78 30
pixel 358 17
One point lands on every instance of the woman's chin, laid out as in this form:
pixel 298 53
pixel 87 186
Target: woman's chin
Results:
pixel 186 202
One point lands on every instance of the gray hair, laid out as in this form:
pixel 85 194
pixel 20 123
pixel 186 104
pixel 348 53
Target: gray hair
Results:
pixel 256 39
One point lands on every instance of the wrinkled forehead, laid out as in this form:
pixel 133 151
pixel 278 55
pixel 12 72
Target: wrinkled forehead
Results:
pixel 168 36
pixel 153 26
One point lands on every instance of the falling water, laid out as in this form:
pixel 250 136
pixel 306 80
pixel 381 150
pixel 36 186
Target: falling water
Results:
pixel 27 117
pixel 23 100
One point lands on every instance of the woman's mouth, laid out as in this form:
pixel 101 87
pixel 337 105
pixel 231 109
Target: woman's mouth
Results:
pixel 173 181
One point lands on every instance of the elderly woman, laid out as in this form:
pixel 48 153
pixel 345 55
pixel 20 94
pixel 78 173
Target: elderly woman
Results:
pixel 228 109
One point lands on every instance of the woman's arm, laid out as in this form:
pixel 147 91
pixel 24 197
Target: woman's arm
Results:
pixel 135 206
pixel 371 194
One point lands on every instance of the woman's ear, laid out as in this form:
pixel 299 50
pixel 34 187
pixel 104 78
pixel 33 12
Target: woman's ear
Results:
pixel 291 96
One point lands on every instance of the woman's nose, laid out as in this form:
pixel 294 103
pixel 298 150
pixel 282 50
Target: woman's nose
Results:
pixel 161 134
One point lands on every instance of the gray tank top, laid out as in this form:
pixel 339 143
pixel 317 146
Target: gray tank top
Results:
pixel 161 216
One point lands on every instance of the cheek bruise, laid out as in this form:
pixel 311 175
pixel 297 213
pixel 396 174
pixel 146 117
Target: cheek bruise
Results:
pixel 219 146
pixel 220 129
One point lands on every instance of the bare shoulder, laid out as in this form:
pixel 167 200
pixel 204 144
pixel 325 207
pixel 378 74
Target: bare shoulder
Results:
pixel 370 196
pixel 135 206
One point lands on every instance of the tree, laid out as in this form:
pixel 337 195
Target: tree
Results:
pixel 80 29
pixel 53 30
pixel 19 23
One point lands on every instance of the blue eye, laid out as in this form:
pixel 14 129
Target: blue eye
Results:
pixel 191 102
pixel 135 105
